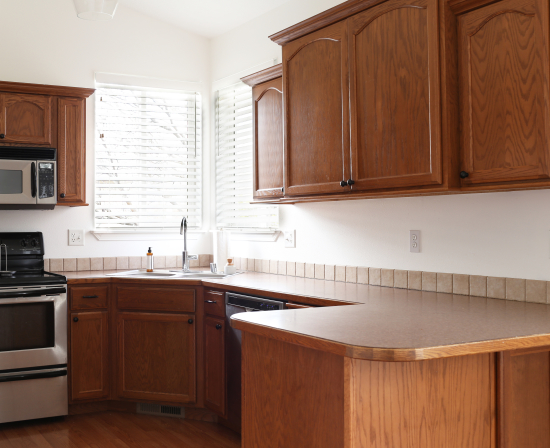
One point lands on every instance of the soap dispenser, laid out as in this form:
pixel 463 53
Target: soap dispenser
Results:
pixel 149 261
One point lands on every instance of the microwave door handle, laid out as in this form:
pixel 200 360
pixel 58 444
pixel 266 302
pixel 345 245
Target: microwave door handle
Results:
pixel 33 179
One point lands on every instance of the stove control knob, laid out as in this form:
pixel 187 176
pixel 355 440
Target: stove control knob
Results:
pixel 23 243
pixel 34 243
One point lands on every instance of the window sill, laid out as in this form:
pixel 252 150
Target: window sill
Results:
pixel 268 236
pixel 143 235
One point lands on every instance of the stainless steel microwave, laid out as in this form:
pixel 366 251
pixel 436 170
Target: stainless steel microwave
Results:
pixel 28 178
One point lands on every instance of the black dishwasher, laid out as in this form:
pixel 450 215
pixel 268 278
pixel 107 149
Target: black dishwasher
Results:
pixel 234 304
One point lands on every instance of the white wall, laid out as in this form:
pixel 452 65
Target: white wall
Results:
pixel 45 43
pixel 498 234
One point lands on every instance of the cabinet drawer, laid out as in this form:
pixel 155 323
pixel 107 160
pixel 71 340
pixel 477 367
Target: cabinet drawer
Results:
pixel 214 303
pixel 89 297
pixel 155 299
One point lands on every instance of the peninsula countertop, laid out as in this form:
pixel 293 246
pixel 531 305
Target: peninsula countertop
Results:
pixel 379 323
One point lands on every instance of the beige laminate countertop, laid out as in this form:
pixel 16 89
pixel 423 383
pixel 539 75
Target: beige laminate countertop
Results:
pixel 384 324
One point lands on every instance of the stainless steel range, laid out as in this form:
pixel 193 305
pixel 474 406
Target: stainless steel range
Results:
pixel 33 331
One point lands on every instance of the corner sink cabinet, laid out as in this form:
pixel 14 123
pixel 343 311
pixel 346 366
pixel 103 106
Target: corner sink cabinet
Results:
pixel 156 342
pixel 147 341
pixel 52 117
pixel 407 97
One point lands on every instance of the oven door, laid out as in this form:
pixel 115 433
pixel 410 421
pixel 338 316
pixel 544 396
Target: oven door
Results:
pixel 17 182
pixel 33 327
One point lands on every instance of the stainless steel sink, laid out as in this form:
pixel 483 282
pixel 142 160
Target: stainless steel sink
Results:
pixel 142 273
pixel 204 274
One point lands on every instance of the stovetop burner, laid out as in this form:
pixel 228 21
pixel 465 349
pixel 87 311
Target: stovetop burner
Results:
pixel 22 260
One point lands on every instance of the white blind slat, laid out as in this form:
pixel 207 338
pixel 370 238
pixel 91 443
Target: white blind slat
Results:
pixel 234 170
pixel 148 158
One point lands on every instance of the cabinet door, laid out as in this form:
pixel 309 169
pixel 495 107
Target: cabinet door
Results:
pixel 268 139
pixel 315 88
pixel 25 119
pixel 504 79
pixel 395 96
pixel 214 345
pixel 156 357
pixel 71 152
pixel 524 398
pixel 89 363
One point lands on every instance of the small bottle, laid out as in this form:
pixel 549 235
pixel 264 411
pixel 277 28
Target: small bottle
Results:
pixel 229 268
pixel 150 261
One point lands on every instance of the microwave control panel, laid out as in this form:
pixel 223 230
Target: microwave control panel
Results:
pixel 46 180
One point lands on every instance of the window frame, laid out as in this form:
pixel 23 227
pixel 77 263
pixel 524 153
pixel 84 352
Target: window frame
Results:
pixel 161 232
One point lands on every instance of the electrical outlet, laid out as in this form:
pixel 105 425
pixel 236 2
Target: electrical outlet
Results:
pixel 290 238
pixel 76 237
pixel 414 241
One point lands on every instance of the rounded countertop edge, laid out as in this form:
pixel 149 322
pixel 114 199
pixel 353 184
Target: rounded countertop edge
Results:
pixel 388 354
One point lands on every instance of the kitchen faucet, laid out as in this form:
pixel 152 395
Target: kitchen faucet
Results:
pixel 185 256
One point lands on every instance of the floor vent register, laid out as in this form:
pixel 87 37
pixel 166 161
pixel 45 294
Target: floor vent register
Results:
pixel 157 409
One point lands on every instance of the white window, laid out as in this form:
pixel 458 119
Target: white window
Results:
pixel 148 158
pixel 234 164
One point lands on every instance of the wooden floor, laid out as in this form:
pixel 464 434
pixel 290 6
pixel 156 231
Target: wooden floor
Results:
pixel 116 430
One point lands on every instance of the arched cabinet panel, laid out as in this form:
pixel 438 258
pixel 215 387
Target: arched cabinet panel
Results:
pixel 504 79
pixel 25 119
pixel 395 95
pixel 268 129
pixel 315 85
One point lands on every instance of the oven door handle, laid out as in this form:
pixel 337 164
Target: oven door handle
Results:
pixel 37 293
pixel 33 375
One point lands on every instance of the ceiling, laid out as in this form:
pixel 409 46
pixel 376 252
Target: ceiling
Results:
pixel 208 18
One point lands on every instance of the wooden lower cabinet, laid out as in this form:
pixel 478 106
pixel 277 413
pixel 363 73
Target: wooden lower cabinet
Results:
pixel 89 358
pixel 156 357
pixel 524 398
pixel 215 376
pixel 295 396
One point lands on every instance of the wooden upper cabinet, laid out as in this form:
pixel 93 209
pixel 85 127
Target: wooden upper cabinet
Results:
pixel 268 139
pixel 52 116
pixel 25 119
pixel 504 76
pixel 395 95
pixel 71 151
pixel 267 93
pixel 316 104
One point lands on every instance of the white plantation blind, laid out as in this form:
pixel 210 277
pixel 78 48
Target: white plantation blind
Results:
pixel 234 162
pixel 148 158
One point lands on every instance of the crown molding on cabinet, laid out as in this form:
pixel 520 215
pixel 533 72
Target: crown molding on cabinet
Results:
pixel 43 89
pixel 260 77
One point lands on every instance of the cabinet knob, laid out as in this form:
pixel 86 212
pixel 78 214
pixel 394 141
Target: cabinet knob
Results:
pixel 190 321
pixel 62 195
pixel 2 135
pixel 343 183
pixel 351 182
pixel 75 319
pixel 218 327
pixel 464 174
pixel 210 301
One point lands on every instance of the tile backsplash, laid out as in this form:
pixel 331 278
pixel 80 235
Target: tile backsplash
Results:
pixel 112 263
pixel 516 289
